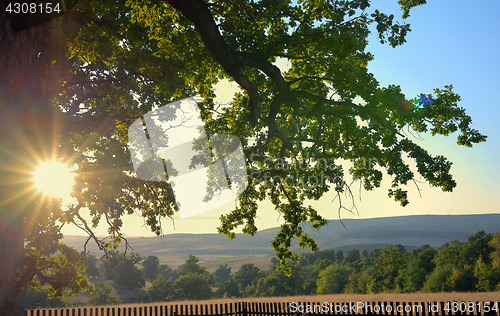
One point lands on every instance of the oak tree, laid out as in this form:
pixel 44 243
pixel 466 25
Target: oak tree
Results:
pixel 151 267
pixel 84 78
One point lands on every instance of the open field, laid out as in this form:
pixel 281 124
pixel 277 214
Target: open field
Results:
pixel 126 295
pixel 129 295
pixel 388 304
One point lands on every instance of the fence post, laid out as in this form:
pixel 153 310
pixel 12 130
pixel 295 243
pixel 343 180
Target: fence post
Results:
pixel 388 308
pixel 431 308
pixel 442 304
pixel 368 310
pixel 420 306
pixel 494 304
pixel 452 306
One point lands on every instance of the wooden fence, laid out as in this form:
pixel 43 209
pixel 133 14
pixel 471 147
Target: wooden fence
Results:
pixel 248 308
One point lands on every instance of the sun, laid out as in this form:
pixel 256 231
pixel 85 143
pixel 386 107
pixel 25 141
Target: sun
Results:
pixel 54 179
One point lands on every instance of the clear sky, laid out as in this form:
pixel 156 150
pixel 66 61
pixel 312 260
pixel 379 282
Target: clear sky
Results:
pixel 451 42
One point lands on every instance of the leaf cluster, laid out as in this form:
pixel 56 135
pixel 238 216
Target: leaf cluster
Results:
pixel 128 57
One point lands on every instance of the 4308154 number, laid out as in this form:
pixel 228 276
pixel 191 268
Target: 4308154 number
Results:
pixel 33 8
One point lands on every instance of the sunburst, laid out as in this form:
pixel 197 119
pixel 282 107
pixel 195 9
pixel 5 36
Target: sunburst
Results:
pixel 53 178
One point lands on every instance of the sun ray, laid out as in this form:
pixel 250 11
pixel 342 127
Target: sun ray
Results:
pixel 53 178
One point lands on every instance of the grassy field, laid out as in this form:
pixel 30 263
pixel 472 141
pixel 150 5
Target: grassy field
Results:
pixel 210 262
pixel 129 295
pixel 126 295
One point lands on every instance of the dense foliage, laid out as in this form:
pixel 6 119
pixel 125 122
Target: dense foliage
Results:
pixel 87 76
pixel 450 268
pixel 103 295
pixel 327 108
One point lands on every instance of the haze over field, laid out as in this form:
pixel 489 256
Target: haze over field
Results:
pixel 214 249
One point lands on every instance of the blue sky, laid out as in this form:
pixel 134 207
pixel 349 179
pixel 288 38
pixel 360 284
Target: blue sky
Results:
pixel 451 42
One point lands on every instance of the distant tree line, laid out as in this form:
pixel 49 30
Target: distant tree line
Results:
pixel 473 265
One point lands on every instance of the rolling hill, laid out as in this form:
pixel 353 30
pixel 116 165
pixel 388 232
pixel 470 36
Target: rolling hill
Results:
pixel 214 249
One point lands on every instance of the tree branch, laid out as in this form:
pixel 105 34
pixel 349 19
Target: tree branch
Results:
pixel 274 73
pixel 28 274
pixel 198 13
pixel 47 279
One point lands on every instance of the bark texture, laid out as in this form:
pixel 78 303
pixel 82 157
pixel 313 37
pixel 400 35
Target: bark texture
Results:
pixel 24 118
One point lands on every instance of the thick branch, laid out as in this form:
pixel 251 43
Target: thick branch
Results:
pixel 274 110
pixel 321 100
pixel 274 73
pixel 47 279
pixel 198 13
pixel 28 274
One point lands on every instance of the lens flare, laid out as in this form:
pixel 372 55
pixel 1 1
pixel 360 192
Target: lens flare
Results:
pixel 54 179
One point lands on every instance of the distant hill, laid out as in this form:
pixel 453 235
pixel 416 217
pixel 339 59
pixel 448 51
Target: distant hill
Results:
pixel 212 249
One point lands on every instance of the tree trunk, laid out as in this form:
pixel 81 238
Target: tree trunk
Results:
pixel 23 92
pixel 11 248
